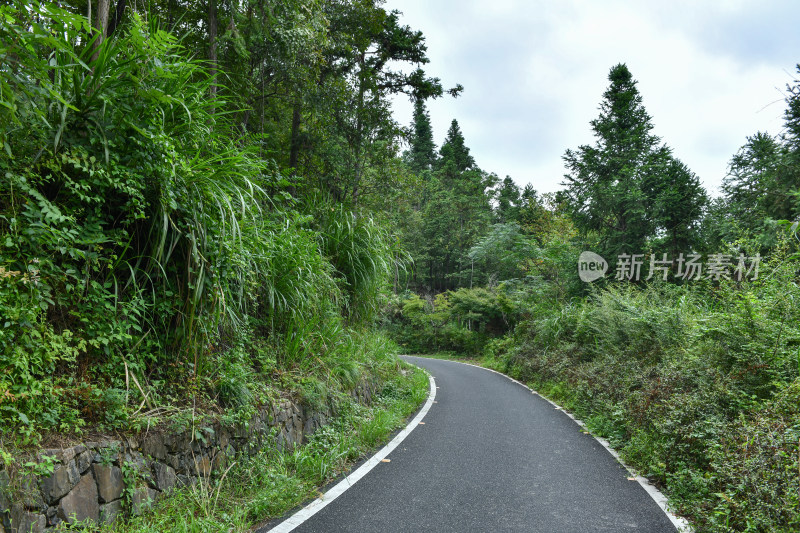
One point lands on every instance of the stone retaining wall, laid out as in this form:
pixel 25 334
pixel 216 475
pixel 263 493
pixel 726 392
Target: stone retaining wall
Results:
pixel 102 481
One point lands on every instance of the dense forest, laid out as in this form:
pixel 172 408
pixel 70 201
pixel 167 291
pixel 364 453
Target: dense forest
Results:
pixel 205 202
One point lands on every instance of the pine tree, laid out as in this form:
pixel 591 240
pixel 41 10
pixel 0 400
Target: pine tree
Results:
pixel 677 200
pixel 752 185
pixel 509 201
pixel 786 194
pixel 605 181
pixel 455 151
pixel 422 154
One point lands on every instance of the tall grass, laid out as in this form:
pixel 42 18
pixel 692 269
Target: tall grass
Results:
pixel 695 385
pixel 141 235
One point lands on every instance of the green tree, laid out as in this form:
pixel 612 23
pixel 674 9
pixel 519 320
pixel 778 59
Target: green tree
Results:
pixel 457 212
pixel 677 200
pixel 787 202
pixel 605 181
pixel 352 127
pixel 752 191
pixel 422 154
pixel 509 201
pixel 503 253
pixel 454 151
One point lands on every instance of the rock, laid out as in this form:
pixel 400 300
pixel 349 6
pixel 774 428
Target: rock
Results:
pixel 202 466
pixel 310 426
pixel 52 516
pixel 282 440
pixel 28 490
pixel 142 498
pixel 109 482
pixel 81 502
pixel 109 512
pixel 224 438
pixel 154 447
pixel 84 460
pixel 220 461
pixel 163 476
pixel 5 492
pixel 57 485
pixel 64 456
pixel 298 426
pixel 108 452
pixel 73 473
pixel 23 521
pixel 140 466
pixel 136 460
pixel 174 461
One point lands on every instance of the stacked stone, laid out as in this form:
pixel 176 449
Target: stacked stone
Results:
pixel 86 484
pixel 88 481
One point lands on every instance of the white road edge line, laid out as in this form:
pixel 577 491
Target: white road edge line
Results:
pixel 317 505
pixel 680 523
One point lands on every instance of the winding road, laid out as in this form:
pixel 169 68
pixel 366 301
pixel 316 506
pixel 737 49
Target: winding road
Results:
pixel 491 456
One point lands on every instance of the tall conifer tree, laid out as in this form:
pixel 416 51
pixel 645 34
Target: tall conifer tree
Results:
pixel 422 155
pixel 605 180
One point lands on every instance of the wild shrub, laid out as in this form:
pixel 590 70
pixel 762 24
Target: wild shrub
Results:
pixel 145 241
pixel 695 384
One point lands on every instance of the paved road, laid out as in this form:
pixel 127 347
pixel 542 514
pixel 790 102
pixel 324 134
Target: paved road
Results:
pixel 492 457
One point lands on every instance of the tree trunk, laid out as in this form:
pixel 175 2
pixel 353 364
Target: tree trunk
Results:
pixel 112 26
pixel 212 47
pixel 101 26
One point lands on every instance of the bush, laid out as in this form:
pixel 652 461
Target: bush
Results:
pixel 695 385
pixel 145 242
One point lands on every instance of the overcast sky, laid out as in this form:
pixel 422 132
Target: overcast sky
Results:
pixel 710 72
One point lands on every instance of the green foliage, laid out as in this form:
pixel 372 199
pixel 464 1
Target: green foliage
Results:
pixel 422 154
pixel 461 321
pixel 362 254
pixel 762 184
pixel 146 242
pixel 274 481
pixel 756 482
pixel 677 203
pixel 626 186
pixel 503 254
pixel 694 385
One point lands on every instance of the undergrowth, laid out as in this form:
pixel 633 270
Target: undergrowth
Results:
pixel 274 481
pixel 153 264
pixel 697 387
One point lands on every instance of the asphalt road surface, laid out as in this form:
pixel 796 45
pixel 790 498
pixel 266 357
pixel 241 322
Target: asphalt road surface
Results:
pixel 490 457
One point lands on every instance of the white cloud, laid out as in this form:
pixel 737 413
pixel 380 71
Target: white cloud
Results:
pixel 534 74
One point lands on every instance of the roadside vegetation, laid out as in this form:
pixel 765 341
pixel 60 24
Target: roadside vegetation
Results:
pixel 190 227
pixel 157 252
pixel 273 482
pixel 694 379
pixel 205 207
